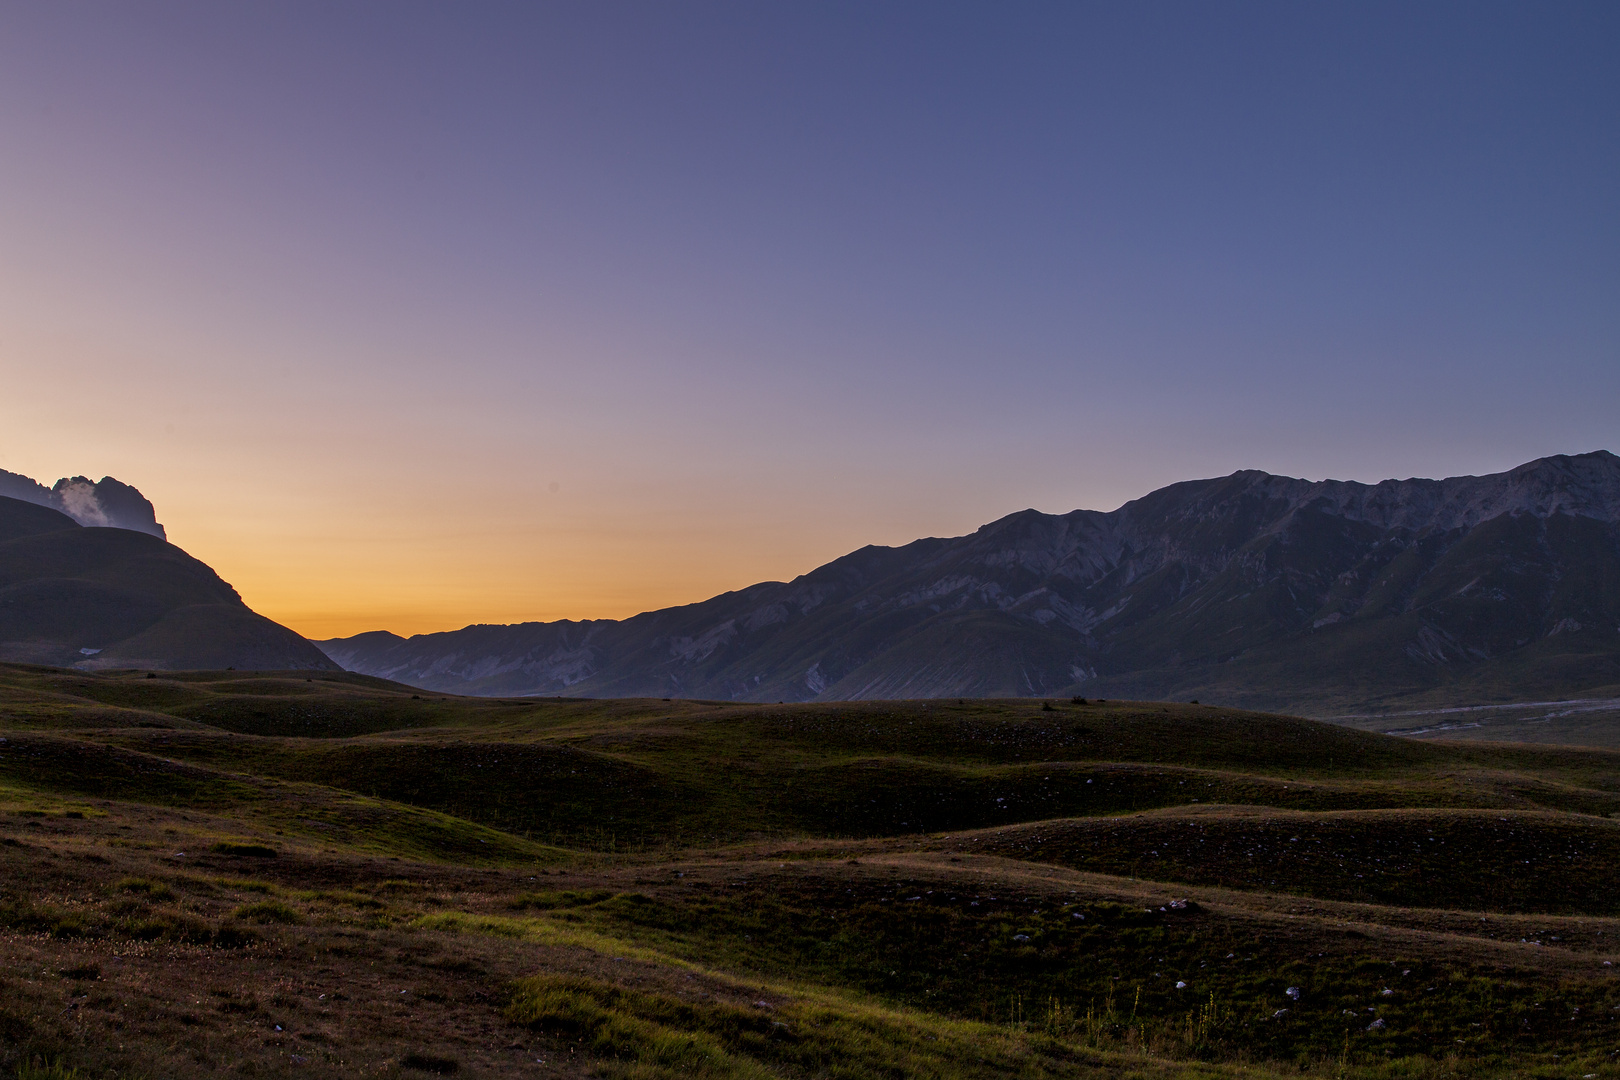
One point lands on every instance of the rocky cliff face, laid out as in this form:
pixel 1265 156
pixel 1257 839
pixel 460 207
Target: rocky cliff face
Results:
pixel 105 503
pixel 1256 589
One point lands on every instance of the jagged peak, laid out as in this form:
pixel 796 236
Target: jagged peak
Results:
pixel 104 503
pixel 1585 485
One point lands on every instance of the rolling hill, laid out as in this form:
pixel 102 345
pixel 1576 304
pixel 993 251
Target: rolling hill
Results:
pixel 323 873
pixel 1251 589
pixel 113 598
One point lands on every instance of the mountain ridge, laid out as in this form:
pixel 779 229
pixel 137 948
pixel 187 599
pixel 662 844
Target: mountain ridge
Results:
pixel 1266 590
pixel 104 503
pixel 108 597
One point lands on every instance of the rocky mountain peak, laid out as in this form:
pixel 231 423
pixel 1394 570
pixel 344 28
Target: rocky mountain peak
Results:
pixel 104 503
pixel 1582 485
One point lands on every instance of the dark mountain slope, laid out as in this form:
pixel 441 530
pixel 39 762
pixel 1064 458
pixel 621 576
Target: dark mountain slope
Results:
pixel 1258 589
pixel 108 597
pixel 18 519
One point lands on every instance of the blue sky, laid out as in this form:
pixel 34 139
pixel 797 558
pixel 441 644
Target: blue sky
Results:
pixel 412 315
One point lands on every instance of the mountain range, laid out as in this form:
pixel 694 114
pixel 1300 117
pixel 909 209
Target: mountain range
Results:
pixel 104 596
pixel 1251 589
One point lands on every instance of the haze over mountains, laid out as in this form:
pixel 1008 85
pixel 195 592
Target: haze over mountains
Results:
pixel 118 595
pixel 1251 589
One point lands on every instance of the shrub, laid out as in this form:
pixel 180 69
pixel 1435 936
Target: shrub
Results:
pixel 257 851
pixel 167 926
pixel 546 901
pixel 268 911
pixel 234 937
pixel 26 916
pixel 152 890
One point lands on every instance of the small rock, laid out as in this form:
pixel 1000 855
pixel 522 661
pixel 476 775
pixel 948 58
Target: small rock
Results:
pixel 1180 985
pixel 1376 1025
pixel 1293 992
pixel 1020 937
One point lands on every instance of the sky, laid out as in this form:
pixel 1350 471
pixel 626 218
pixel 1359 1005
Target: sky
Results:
pixel 408 316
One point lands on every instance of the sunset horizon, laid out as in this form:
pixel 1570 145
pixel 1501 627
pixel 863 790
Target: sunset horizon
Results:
pixel 430 318
pixel 629 540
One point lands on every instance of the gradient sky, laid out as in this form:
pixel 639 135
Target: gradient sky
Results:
pixel 408 316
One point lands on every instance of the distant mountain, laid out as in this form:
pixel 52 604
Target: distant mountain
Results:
pixel 1250 589
pixel 116 597
pixel 106 503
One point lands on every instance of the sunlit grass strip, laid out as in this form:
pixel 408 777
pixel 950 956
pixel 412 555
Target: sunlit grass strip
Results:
pixel 21 799
pixel 650 1036
pixel 543 931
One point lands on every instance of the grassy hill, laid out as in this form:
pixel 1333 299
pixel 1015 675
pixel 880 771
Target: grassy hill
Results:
pixel 322 873
pixel 108 597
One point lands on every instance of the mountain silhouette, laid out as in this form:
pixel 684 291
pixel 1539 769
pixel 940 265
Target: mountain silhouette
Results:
pixel 113 597
pixel 1251 589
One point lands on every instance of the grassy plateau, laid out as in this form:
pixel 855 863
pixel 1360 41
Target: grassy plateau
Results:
pixel 322 874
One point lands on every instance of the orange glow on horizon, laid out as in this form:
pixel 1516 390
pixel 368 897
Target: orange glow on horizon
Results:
pixel 354 573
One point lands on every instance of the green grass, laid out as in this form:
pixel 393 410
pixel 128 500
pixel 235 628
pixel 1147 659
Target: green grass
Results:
pixel 251 851
pixel 146 888
pixel 1013 959
pixel 44 765
pixel 1473 860
pixel 46 1070
pixel 568 898
pixel 135 920
pixel 931 889
pixel 268 911
pixel 642 1034
pixel 627 776
pixel 648 1035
